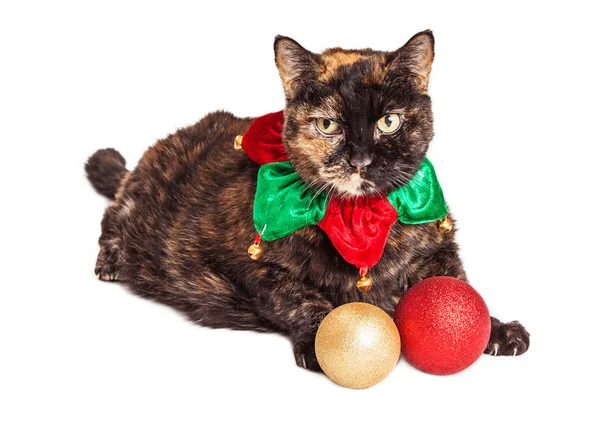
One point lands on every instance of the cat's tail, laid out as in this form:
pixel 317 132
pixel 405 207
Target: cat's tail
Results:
pixel 106 169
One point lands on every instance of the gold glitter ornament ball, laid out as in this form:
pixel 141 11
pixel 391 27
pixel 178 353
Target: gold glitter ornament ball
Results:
pixel 357 345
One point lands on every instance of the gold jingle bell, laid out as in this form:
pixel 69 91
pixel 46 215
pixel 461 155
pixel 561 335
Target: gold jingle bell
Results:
pixel 364 283
pixel 255 251
pixel 445 225
pixel 237 143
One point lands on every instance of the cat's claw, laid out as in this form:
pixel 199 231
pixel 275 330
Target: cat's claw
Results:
pixel 106 263
pixel 507 339
pixel 106 269
pixel 304 351
pixel 495 350
pixel 106 274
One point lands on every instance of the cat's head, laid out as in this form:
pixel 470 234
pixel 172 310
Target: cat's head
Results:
pixel 357 122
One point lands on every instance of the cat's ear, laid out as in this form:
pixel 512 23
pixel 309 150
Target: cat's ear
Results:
pixel 416 58
pixel 294 64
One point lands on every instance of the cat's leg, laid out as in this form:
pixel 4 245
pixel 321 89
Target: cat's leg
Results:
pixel 505 338
pixel 295 308
pixel 211 300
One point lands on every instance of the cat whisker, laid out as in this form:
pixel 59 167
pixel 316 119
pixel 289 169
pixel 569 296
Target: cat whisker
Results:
pixel 317 193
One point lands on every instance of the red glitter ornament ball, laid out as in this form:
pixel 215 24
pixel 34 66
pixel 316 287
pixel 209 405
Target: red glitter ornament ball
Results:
pixel 444 325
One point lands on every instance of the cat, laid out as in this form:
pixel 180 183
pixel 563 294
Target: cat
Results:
pixel 180 223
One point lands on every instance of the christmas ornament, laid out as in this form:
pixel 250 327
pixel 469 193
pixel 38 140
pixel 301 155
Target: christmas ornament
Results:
pixel 445 225
pixel 255 251
pixel 357 345
pixel 357 227
pixel 444 325
pixel 237 142
pixel 364 283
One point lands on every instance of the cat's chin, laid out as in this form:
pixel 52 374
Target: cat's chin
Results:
pixel 355 186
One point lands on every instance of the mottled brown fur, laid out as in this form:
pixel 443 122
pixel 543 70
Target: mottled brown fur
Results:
pixel 179 227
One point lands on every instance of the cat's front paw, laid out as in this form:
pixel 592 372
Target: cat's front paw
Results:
pixel 304 351
pixel 507 339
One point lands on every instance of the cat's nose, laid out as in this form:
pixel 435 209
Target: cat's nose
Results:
pixel 360 160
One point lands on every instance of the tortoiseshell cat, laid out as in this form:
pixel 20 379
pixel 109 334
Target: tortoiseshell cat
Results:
pixel 180 224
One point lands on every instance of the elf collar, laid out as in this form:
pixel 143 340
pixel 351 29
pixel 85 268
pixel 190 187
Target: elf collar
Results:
pixel 357 227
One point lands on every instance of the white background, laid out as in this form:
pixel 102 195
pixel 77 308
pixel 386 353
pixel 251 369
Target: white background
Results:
pixel 515 92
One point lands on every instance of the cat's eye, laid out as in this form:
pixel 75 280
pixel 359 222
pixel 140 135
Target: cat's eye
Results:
pixel 328 126
pixel 389 123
